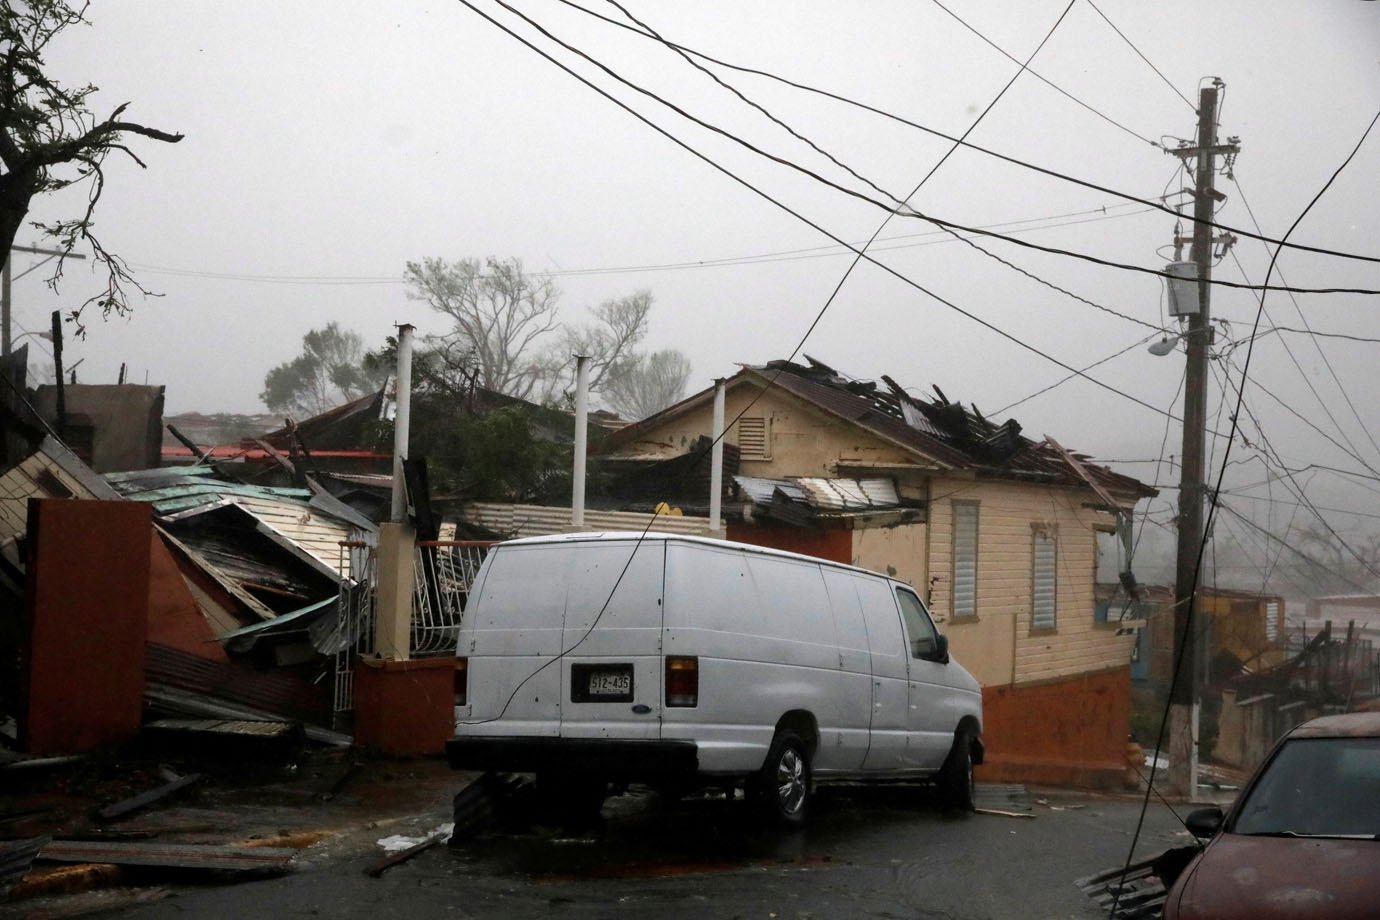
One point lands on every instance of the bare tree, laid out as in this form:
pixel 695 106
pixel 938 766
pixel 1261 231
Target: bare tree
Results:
pixel 650 384
pixel 49 140
pixel 501 315
pixel 506 328
pixel 609 343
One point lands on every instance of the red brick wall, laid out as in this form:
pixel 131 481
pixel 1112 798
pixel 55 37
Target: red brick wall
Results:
pixel 88 592
pixel 1065 733
pixel 834 545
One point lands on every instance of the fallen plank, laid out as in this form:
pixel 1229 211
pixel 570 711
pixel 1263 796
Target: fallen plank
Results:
pixel 171 855
pixel 388 862
pixel 1004 814
pixel 133 804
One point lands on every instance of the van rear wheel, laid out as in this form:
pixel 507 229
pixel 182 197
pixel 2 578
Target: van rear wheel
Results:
pixel 784 785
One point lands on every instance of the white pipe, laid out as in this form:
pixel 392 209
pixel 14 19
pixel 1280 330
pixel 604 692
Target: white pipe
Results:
pixel 402 423
pixel 577 477
pixel 716 470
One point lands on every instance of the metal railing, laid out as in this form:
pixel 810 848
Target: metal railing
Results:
pixel 443 571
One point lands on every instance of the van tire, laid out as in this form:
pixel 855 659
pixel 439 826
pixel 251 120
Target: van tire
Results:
pixel 573 800
pixel 956 782
pixel 784 786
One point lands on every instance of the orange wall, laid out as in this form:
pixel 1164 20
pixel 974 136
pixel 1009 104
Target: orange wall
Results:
pixel 834 545
pixel 88 591
pixel 405 707
pixel 1069 732
pixel 174 618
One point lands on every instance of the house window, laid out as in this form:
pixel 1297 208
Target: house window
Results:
pixel 754 438
pixel 1044 581
pixel 1272 621
pixel 965 556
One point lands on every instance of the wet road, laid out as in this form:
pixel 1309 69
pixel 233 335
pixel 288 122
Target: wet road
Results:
pixel 866 853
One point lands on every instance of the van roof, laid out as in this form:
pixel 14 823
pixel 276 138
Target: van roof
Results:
pixel 662 537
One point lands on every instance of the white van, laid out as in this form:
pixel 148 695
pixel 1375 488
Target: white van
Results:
pixel 600 658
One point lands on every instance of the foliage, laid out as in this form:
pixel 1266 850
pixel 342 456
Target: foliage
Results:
pixel 50 140
pixel 331 370
pixel 650 384
pixel 506 336
pixel 496 456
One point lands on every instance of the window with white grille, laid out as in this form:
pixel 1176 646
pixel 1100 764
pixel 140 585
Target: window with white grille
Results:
pixel 1044 583
pixel 754 438
pixel 965 556
pixel 1272 621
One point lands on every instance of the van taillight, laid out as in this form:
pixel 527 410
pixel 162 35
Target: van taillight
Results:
pixel 462 681
pixel 682 680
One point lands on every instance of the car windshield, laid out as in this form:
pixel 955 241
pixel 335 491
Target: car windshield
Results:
pixel 1325 787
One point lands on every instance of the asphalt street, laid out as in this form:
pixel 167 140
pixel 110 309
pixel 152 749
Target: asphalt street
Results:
pixel 866 853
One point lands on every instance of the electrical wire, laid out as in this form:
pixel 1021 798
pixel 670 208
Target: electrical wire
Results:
pixel 1064 177
pixel 891 210
pixel 796 134
pixel 802 218
pixel 1056 88
pixel 1214 503
pixel 1188 102
pixel 1250 212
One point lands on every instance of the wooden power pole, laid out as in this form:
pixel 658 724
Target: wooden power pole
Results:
pixel 1183 754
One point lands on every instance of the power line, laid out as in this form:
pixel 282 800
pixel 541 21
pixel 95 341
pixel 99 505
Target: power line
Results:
pixel 1188 102
pixel 796 134
pixel 1250 212
pixel 803 87
pixel 1002 51
pixel 469 4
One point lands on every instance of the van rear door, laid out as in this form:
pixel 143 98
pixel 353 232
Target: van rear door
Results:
pixel 611 672
pixel 511 636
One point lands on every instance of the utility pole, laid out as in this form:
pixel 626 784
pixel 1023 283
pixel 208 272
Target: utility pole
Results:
pixel 1183 753
pixel 5 287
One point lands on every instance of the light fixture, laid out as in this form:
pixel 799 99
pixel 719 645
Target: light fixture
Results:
pixel 1165 345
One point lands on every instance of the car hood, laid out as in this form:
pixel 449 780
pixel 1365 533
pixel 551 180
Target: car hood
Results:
pixel 1272 878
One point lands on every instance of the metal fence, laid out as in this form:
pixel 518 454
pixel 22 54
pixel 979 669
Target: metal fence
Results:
pixel 443 571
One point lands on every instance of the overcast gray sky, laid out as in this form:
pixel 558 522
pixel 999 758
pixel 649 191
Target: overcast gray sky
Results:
pixel 328 143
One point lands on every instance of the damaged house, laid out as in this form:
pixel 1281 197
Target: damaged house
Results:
pixel 997 530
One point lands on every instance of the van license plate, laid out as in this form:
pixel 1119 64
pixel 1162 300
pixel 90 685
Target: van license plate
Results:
pixel 601 683
pixel 610 683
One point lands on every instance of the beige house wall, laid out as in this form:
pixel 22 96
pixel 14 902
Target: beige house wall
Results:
pixel 898 551
pixel 999 644
pixel 802 441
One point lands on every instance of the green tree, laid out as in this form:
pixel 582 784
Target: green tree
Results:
pixel 330 371
pixel 50 140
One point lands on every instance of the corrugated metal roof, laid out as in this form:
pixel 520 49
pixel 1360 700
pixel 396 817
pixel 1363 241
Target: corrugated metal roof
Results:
pixel 824 494
pixel 539 520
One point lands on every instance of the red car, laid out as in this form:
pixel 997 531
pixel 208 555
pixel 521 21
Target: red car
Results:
pixel 1302 839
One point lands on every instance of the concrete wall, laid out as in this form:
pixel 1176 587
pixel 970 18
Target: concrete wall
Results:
pixel 405 708
pixel 113 427
pixel 834 545
pixel 88 593
pixel 1061 732
pixel 898 551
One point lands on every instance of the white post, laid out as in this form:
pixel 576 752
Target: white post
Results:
pixel 577 477
pixel 402 422
pixel 716 472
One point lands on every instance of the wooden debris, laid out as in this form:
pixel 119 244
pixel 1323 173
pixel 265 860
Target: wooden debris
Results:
pixel 264 860
pixel 393 859
pixel 129 806
pixel 67 880
pixel 1004 814
pixel 298 841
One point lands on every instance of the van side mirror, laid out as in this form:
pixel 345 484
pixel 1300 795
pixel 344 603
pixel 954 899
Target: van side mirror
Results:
pixel 941 649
